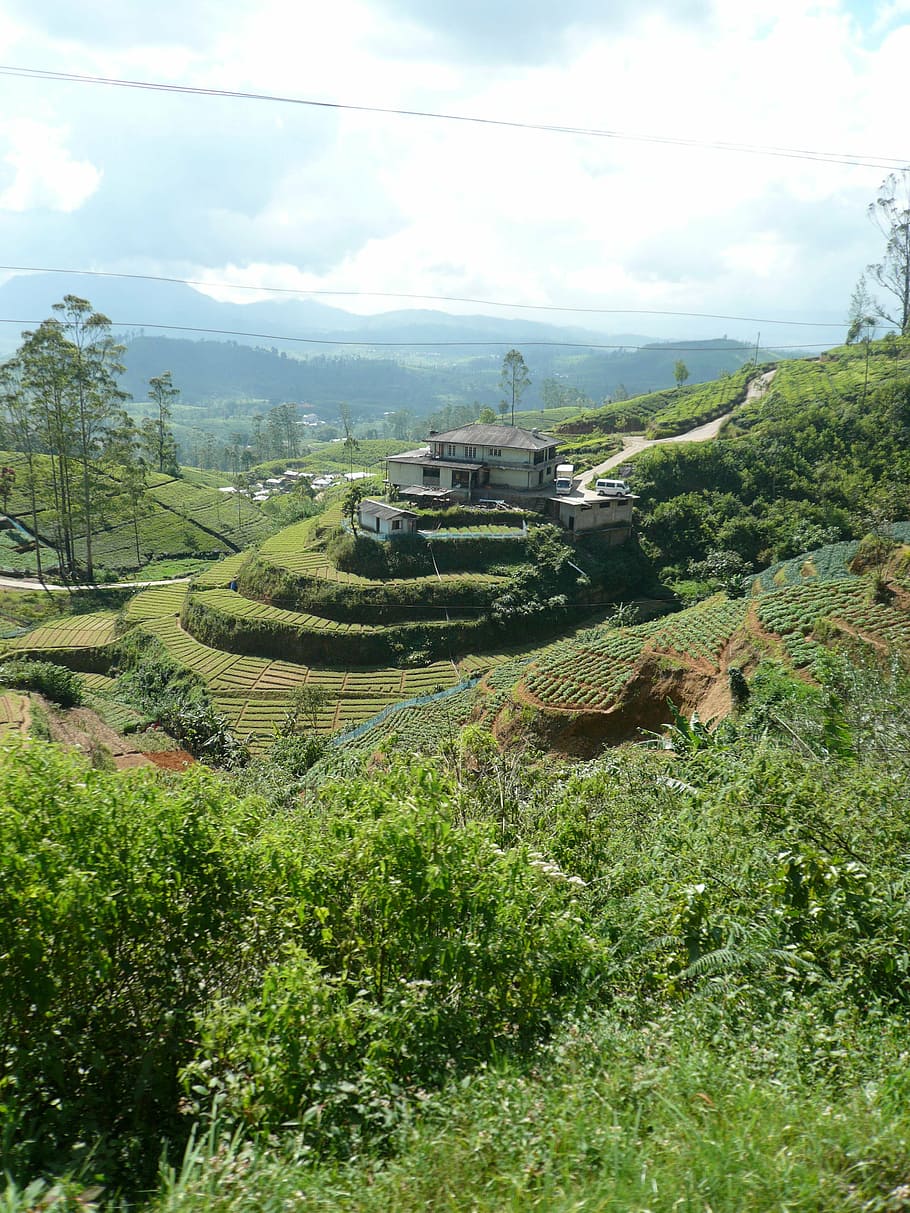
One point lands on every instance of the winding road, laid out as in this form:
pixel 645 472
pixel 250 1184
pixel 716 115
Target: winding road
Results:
pixel 757 388
pixel 635 443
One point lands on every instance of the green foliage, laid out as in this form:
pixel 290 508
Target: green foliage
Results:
pixel 175 697
pixel 55 681
pixel 123 907
pixel 425 949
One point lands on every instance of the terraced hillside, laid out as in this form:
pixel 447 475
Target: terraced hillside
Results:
pixel 292 601
pixel 252 692
pixel 174 517
pixel 606 683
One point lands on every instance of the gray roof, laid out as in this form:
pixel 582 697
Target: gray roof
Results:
pixel 379 509
pixel 496 435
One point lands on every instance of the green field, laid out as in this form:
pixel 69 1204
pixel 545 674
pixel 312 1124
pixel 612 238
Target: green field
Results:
pixel 176 517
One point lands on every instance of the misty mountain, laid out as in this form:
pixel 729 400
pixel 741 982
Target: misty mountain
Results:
pixel 136 306
pixel 291 349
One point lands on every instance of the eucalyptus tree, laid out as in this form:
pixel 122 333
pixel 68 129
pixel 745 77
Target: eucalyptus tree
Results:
pixel 46 425
pixel 124 448
pixel 890 213
pixel 93 362
pixel 158 440
pixel 21 437
pixel 513 381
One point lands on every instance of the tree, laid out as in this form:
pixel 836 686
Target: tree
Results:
pixel 306 704
pixel 7 481
pixel 353 495
pixel 157 436
pixel 680 372
pixel 350 442
pixel 862 313
pixel 513 381
pixel 890 213
pixel 21 432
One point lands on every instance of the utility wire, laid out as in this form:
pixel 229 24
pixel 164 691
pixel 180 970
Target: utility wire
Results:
pixel 433 345
pixel 848 158
pixel 529 307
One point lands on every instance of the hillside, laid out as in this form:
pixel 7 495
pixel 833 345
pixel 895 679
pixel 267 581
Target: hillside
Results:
pixel 173 518
pixel 504 876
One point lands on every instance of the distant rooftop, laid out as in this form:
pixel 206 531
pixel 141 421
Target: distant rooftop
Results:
pixel 379 509
pixel 496 435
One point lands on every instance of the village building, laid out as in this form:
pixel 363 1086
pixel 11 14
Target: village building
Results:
pixel 382 521
pixel 475 458
pixel 477 463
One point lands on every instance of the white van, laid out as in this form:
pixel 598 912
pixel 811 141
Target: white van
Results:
pixel 612 488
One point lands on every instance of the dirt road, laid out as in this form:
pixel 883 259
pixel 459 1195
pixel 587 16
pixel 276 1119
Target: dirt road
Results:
pixel 701 433
pixel 31 583
pixel 636 443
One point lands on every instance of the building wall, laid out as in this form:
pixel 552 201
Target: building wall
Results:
pixel 406 475
pixel 607 512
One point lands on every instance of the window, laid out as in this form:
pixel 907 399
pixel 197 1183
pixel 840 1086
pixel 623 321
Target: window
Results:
pixel 496 452
pixel 470 452
pixel 430 474
pixel 396 524
pixel 450 448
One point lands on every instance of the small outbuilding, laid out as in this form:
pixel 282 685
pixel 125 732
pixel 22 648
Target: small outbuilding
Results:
pixel 382 521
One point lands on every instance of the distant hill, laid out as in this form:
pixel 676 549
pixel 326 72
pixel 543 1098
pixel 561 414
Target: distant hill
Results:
pixel 291 349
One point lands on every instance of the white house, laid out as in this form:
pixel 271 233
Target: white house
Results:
pixel 381 521
pixel 477 458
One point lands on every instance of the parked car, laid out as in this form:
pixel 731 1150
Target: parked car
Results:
pixel 612 488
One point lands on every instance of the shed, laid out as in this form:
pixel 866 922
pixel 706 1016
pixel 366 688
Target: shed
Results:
pixel 383 521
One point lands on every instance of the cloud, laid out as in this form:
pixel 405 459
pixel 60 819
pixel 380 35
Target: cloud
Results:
pixel 120 24
pixel 524 31
pixel 42 174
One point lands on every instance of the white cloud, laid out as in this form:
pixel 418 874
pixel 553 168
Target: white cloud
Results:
pixel 45 177
pixel 335 199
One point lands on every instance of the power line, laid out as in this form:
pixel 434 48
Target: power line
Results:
pixel 407 345
pixel 859 160
pixel 356 294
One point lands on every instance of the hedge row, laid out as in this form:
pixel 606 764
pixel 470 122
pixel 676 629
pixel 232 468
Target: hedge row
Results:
pixel 380 603
pixel 400 644
pixel 461 515
pixel 414 556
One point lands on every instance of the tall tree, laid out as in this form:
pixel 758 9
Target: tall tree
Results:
pixel 890 213
pixel 513 381
pixel 157 436
pixel 862 313
pixel 94 363
pixel 47 421
pixel 20 429
pixel 680 372
pixel 350 442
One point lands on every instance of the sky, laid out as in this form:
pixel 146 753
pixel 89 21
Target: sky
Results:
pixel 320 199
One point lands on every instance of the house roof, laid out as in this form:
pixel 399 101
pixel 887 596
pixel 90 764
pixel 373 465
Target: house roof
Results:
pixel 496 435
pixel 379 509
pixel 425 459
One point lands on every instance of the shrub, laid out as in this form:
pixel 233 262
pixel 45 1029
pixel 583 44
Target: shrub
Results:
pixel 46 677
pixel 423 949
pixel 123 907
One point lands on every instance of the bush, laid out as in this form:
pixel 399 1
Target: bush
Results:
pixel 124 906
pixel 426 949
pixel 46 677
